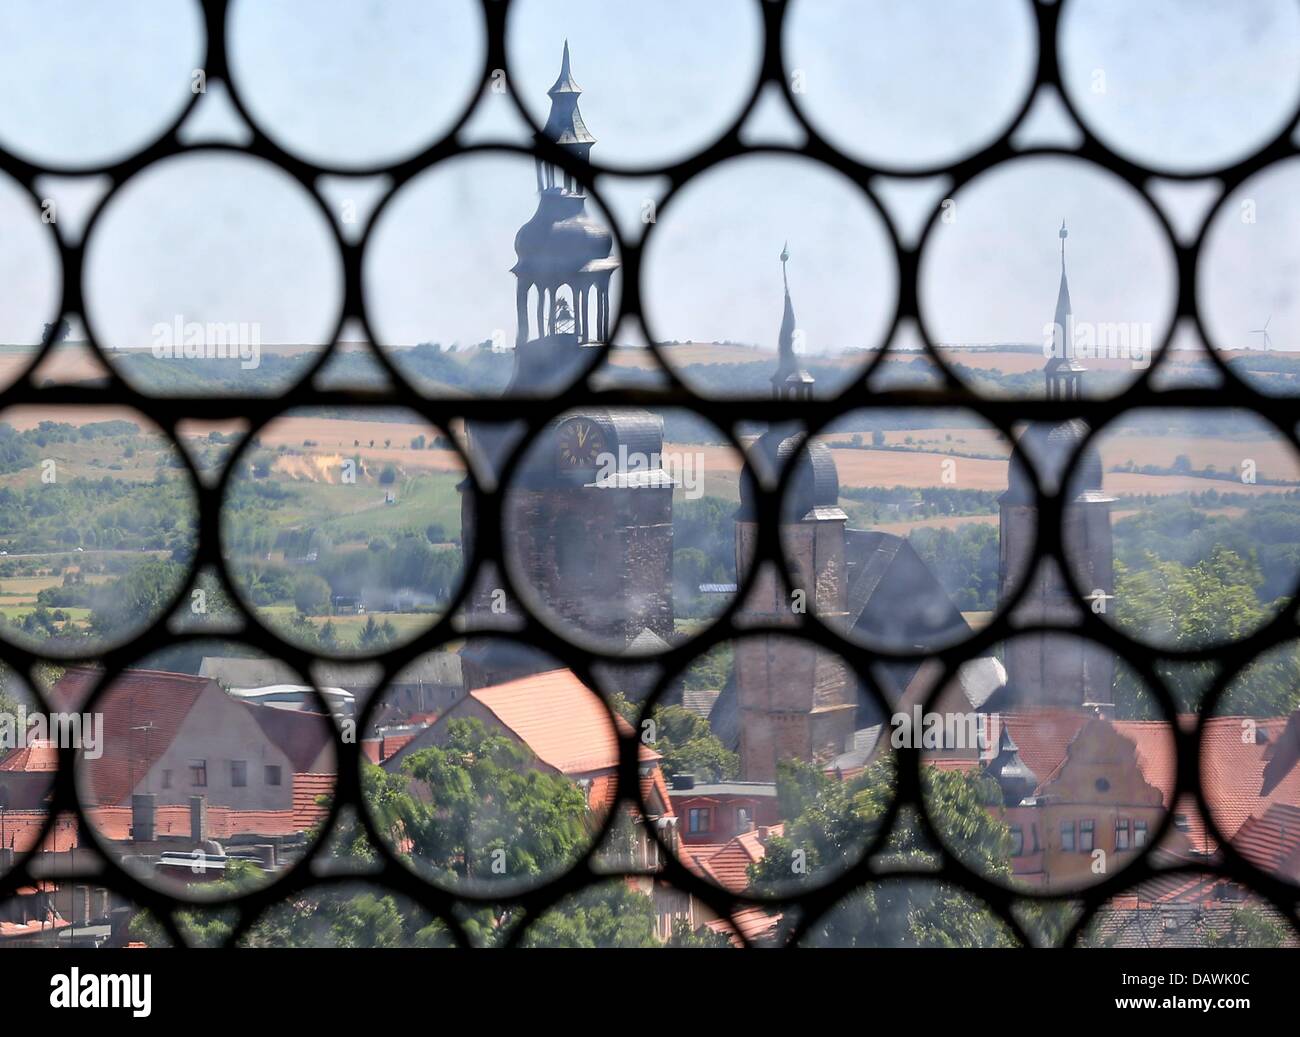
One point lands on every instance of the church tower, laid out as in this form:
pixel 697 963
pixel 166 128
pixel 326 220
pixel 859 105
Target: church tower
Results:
pixel 1047 669
pixel 790 382
pixel 564 263
pixel 796 701
pixel 588 516
pixel 1063 374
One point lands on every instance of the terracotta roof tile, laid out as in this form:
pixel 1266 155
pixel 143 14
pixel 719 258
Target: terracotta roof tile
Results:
pixel 389 745
pixel 1271 840
pixel 307 790
pixel 561 720
pixel 158 698
pixel 114 823
pixel 757 924
pixel 729 867
pixel 39 756
pixel 1236 773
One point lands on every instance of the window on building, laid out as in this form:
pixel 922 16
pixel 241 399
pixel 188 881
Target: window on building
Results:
pixel 199 773
pixel 166 779
pixel 238 774
pixel 743 819
pixel 1086 838
pixel 272 775
pixel 1121 833
pixel 700 820
pixel 1139 834
pixel 1067 836
pixel 1017 841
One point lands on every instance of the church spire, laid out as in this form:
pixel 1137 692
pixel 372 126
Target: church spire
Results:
pixel 789 379
pixel 1063 293
pixel 1062 371
pixel 564 126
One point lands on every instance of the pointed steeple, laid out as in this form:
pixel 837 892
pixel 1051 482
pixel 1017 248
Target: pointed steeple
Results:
pixel 1062 371
pixel 1062 317
pixel 789 379
pixel 564 125
pixel 565 84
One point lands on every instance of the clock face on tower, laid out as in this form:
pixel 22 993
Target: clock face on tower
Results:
pixel 580 443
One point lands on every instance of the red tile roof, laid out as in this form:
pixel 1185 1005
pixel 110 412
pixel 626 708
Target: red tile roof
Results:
pixel 137 697
pixel 114 823
pixel 562 721
pixel 390 744
pixel 1042 736
pixel 1233 771
pixel 729 867
pixel 1271 841
pixel 755 923
pixel 693 855
pixel 143 710
pixel 307 790
pixel 1241 778
pixel 23 827
pixel 39 756
pixel 654 789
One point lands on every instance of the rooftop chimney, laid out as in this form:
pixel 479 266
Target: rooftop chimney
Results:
pixel 198 819
pixel 143 807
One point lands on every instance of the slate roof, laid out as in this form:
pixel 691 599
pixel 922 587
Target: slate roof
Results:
pixel 700 700
pixel 893 597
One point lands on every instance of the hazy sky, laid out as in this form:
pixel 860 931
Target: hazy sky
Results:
pixel 902 83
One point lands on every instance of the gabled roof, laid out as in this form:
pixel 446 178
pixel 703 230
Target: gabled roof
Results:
pixel 300 736
pixel 142 712
pixel 866 740
pixel 893 597
pixel 1272 840
pixel 729 867
pixel 700 700
pixel 1232 770
pixel 561 721
pixel 1166 925
pixel 39 756
pixel 756 924
pixel 1042 736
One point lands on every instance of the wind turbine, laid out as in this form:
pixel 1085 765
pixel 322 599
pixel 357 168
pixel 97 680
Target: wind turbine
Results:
pixel 1268 342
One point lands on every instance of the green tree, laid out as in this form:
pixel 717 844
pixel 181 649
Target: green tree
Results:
pixel 311 594
pixel 134 599
pixel 483 804
pixel 610 915
pixel 689 746
pixel 1184 607
pixel 834 821
pixel 703 937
